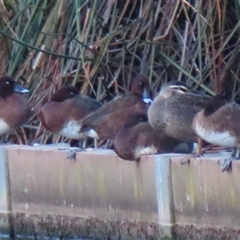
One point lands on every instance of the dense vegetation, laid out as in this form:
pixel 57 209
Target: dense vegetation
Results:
pixel 99 45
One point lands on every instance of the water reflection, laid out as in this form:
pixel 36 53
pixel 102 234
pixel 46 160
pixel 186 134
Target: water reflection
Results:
pixel 6 237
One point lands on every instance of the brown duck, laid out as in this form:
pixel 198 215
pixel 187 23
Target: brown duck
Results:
pixel 219 124
pixel 107 120
pixel 64 112
pixel 137 138
pixel 15 109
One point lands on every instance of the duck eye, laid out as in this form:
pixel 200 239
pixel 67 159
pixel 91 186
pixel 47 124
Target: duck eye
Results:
pixel 140 84
pixel 7 82
pixel 72 93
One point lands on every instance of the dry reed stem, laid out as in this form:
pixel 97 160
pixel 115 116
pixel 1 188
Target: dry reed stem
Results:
pixel 98 46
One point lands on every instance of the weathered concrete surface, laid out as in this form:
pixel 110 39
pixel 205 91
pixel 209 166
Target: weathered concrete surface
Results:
pixel 101 196
pixel 88 185
pixel 5 208
pixel 206 200
pixel 204 195
pixel 112 196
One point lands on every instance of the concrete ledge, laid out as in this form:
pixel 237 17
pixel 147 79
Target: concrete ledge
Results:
pixel 5 200
pixel 206 201
pixel 95 196
pixel 102 196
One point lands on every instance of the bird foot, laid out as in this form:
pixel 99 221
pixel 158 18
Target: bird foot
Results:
pixel 72 153
pixel 226 164
pixel 63 148
pixel 186 159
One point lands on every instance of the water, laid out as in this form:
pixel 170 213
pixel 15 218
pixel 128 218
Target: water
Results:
pixel 20 237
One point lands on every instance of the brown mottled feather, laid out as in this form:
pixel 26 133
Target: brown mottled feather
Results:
pixel 175 114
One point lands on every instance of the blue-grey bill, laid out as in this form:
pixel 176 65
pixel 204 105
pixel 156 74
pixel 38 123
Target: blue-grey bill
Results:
pixel 147 100
pixel 146 96
pixel 19 89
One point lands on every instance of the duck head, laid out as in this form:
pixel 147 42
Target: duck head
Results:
pixel 173 87
pixel 64 93
pixel 214 104
pixel 140 87
pixel 9 86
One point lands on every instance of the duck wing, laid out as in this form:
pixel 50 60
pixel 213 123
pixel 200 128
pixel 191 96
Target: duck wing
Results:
pixel 179 113
pixel 116 104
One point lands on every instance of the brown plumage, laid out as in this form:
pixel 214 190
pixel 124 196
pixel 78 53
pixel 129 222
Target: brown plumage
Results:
pixel 64 112
pixel 219 124
pixel 106 121
pixel 137 138
pixel 15 109
pixel 173 111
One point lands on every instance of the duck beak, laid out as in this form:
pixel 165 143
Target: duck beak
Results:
pixel 146 96
pixel 19 89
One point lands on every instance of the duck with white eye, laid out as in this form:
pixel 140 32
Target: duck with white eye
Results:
pixel 105 123
pixel 4 127
pixel 15 109
pixel 18 88
pixel 65 110
pixel 218 123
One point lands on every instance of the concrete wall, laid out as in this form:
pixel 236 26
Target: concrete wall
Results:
pixel 102 196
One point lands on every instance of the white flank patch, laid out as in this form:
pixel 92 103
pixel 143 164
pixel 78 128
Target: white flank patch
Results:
pixel 92 134
pixel 224 139
pixel 4 127
pixel 145 151
pixel 71 130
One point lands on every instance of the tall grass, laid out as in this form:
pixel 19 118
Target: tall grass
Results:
pixel 99 46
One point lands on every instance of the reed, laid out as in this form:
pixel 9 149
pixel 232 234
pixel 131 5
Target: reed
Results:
pixel 99 46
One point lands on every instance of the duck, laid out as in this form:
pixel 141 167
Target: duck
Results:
pixel 15 109
pixel 65 110
pixel 137 137
pixel 173 111
pixel 104 123
pixel 218 123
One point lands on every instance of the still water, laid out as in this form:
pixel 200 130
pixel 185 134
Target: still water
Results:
pixel 6 237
